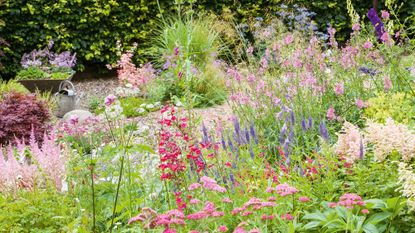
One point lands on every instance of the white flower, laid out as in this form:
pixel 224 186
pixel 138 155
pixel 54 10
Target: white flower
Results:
pixel 150 106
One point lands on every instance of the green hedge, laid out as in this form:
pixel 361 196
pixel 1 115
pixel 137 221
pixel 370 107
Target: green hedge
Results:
pixel 91 27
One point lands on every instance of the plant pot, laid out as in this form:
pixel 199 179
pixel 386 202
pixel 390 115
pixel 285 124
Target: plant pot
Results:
pixel 43 85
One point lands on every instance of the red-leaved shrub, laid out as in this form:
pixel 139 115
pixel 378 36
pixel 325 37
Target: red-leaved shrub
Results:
pixel 19 114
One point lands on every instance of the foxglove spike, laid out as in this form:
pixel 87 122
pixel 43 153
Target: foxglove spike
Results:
pixel 223 142
pixel 251 152
pixel 323 131
pixel 303 125
pixel 292 117
pixel 283 132
pixel 247 135
pixel 310 122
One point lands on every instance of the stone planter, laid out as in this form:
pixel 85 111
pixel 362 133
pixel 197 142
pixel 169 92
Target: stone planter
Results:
pixel 43 85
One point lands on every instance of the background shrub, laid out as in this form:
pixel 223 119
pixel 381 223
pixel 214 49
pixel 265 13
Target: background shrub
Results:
pixel 19 113
pixel 91 28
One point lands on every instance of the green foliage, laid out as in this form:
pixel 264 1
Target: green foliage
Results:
pixel 91 28
pixel 12 86
pixel 188 47
pixel 32 73
pixel 399 106
pixel 36 211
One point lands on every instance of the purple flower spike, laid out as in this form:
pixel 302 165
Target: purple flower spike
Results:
pixel 376 22
pixel 323 131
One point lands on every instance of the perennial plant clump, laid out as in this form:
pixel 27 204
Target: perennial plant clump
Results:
pixel 21 114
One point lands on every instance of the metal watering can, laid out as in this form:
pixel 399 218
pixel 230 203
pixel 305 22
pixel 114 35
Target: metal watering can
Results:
pixel 66 98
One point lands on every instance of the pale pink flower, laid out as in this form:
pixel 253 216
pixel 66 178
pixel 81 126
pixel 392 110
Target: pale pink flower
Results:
pixel 194 201
pixel 254 231
pixel 339 88
pixel 385 14
pixel 356 27
pixel 387 83
pixel 285 190
pixel 360 104
pixel 210 184
pixel 288 39
pixel 194 186
pixel 227 200
pixel 250 50
pixel 350 143
pixel 331 115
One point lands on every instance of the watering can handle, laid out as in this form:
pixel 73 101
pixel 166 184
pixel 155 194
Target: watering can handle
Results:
pixel 66 82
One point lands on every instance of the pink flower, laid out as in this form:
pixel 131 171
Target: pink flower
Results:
pixel 194 186
pixel 194 231
pixel 385 14
pixel 332 204
pixel 304 199
pixel 288 39
pixel 210 184
pixel 227 200
pixel 223 228
pixel 74 119
pixel 360 104
pixel 239 230
pixel 339 89
pixel 110 99
pixel 254 231
pixel 356 27
pixel 194 201
pixel 272 199
pixel 385 38
pixel 367 45
pixel 267 217
pixel 209 207
pixel 218 214
pixel 331 114
pixel 247 213
pixel 285 190
pixel 387 83
pixel 364 211
pixel 135 219
pixel 287 216
pixel 250 50
pixel 169 230
pixel 197 215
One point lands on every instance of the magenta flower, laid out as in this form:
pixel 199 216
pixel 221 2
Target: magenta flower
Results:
pixel 223 228
pixel 110 99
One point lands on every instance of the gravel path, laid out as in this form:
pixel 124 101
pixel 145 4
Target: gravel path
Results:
pixel 213 117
